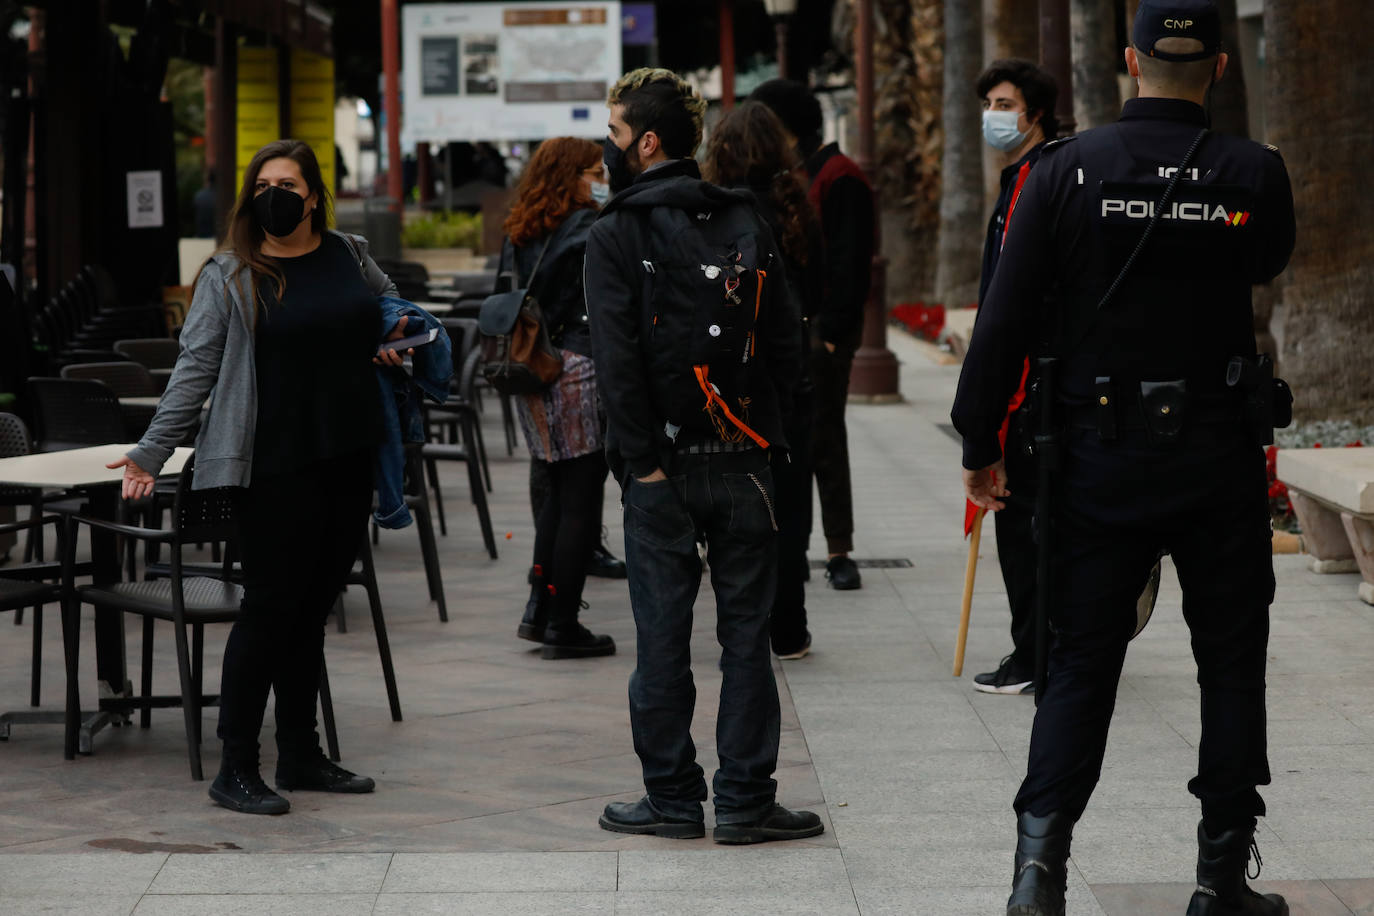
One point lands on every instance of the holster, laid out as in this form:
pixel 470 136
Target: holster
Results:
pixel 1165 408
pixel 1266 402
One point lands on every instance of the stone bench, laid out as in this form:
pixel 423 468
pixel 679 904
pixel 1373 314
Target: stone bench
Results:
pixel 1332 490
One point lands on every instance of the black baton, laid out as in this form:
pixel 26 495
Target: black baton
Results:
pixel 1047 453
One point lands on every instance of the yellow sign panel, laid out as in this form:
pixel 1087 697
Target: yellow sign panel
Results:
pixel 258 105
pixel 312 108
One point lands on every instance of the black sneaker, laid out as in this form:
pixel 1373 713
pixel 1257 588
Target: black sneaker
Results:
pixel 795 654
pixel 776 824
pixel 240 788
pixel 642 818
pixel 843 574
pixel 1011 677
pixel 320 774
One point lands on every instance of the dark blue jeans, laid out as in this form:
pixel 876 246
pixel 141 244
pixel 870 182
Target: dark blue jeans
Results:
pixel 728 499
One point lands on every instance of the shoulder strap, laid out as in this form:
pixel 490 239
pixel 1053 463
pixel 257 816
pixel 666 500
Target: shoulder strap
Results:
pixel 1154 220
pixel 539 260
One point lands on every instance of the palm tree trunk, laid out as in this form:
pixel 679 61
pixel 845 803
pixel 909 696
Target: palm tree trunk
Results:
pixel 908 78
pixel 1096 94
pixel 961 196
pixel 1230 111
pixel 1313 116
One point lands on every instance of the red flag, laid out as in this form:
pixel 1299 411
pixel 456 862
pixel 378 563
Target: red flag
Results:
pixel 970 510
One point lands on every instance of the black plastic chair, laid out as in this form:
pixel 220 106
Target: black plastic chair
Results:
pixel 149 352
pixel 366 576
pixel 32 585
pixel 185 601
pixel 126 378
pixel 72 413
pixel 466 451
pixel 417 501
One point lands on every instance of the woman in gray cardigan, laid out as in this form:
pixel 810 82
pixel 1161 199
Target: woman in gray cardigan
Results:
pixel 283 327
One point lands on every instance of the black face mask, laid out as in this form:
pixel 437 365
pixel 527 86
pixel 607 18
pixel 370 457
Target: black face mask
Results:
pixel 617 162
pixel 279 211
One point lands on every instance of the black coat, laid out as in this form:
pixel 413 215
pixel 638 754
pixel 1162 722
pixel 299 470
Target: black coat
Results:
pixel 558 284
pixel 634 232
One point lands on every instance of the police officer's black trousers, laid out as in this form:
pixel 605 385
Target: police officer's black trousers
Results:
pixel 1016 552
pixel 1116 505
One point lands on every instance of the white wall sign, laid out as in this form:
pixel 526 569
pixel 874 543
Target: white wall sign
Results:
pixel 145 200
pixel 508 71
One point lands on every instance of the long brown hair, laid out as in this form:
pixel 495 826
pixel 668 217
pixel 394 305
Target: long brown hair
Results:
pixel 244 236
pixel 748 148
pixel 551 188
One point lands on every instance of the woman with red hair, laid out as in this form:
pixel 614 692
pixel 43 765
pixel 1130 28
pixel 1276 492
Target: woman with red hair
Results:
pixel 555 205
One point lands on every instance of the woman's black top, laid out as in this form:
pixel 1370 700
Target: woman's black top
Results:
pixel 318 395
pixel 558 283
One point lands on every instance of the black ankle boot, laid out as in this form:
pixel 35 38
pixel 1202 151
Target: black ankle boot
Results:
pixel 239 787
pixel 1042 865
pixel 1221 872
pixel 564 637
pixel 536 609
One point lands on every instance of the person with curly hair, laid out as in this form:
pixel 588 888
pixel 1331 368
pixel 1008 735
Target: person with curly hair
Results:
pixel 555 204
pixel 748 150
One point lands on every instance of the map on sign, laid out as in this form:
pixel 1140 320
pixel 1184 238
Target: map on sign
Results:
pixel 508 71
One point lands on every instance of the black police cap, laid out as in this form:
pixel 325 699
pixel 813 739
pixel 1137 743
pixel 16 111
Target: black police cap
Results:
pixel 1196 19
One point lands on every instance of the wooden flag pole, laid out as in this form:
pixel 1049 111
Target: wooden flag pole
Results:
pixel 969 570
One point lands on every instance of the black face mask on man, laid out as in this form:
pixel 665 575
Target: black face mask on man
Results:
pixel 279 211
pixel 618 167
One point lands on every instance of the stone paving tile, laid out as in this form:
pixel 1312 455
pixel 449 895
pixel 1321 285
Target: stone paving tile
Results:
pixel 78 875
pixel 769 867
pixel 781 902
pixel 284 873
pixel 1356 894
pixel 57 903
pixel 1307 898
pixel 483 904
pixel 500 871
pixel 316 904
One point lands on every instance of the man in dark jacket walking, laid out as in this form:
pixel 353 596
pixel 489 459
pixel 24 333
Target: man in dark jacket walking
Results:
pixel 697 346
pixel 844 200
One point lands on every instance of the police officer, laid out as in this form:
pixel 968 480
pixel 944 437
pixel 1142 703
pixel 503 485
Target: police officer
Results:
pixel 1156 452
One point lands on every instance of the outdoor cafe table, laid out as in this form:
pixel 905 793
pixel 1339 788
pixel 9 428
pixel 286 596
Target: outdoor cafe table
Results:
pixel 83 470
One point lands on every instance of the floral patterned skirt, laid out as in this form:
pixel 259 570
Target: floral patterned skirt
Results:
pixel 565 420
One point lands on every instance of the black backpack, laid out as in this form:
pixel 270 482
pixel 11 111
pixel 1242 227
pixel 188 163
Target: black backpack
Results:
pixel 702 298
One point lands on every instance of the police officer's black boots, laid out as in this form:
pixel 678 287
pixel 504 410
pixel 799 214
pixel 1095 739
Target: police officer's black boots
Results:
pixel 1221 888
pixel 537 608
pixel 1042 865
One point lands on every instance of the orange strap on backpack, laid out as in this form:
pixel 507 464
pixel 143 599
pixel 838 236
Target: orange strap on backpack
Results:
pixel 713 399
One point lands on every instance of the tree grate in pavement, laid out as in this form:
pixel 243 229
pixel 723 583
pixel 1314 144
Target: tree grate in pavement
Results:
pixel 896 563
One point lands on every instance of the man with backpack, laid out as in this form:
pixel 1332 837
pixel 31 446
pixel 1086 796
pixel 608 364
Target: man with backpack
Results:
pixel 698 346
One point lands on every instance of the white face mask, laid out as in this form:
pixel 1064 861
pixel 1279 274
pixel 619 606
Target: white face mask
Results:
pixel 999 130
pixel 601 192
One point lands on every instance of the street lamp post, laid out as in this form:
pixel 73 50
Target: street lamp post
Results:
pixel 874 375
pixel 780 10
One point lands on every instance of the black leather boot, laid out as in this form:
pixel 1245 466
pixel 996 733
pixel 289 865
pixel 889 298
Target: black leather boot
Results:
pixel 1042 865
pixel 564 637
pixel 1221 872
pixel 239 787
pixel 536 609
